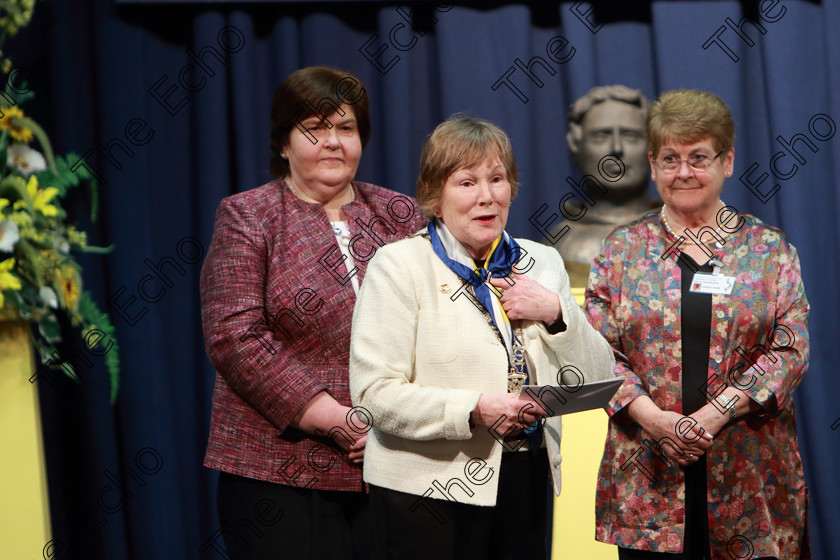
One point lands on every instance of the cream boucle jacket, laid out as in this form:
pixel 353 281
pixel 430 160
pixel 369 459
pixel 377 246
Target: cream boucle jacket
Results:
pixel 419 361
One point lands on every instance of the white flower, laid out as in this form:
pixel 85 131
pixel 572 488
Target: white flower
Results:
pixel 61 245
pixel 48 296
pixel 9 235
pixel 25 159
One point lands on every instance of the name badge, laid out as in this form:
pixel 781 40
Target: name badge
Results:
pixel 712 284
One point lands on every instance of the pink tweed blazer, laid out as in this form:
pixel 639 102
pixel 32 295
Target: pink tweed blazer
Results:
pixel 276 307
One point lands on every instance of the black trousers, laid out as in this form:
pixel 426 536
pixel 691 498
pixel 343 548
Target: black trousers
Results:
pixel 628 554
pixel 409 526
pixel 265 521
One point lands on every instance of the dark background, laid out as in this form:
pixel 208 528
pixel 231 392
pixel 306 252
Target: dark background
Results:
pixel 126 481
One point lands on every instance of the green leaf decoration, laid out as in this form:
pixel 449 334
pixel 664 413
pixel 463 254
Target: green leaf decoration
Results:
pixel 13 187
pixel 94 318
pixel 35 227
pixel 64 179
pixel 96 249
pixel 31 266
pixel 48 352
pixel 49 329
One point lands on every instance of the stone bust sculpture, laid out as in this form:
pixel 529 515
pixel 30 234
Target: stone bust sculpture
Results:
pixel 607 121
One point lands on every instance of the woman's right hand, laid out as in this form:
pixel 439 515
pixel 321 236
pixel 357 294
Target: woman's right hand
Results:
pixel 517 414
pixel 677 437
pixel 685 434
pixel 326 417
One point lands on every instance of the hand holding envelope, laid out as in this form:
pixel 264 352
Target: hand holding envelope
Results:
pixel 566 399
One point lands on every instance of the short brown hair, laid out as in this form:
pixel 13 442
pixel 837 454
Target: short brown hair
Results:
pixel 320 86
pixel 461 142
pixel 687 116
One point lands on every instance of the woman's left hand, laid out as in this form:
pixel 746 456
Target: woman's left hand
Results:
pixel 357 450
pixel 711 418
pixel 524 298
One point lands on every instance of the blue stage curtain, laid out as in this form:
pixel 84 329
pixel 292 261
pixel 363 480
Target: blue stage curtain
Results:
pixel 127 481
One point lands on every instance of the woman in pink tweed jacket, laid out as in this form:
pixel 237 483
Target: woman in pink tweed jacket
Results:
pixel 277 294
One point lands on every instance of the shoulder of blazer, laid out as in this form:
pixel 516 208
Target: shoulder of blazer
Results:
pixel 406 248
pixel 544 256
pixel 269 194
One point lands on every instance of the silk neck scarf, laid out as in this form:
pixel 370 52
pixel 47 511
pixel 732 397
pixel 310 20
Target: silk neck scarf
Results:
pixel 505 252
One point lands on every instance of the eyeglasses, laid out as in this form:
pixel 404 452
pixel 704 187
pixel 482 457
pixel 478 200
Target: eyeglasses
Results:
pixel 699 162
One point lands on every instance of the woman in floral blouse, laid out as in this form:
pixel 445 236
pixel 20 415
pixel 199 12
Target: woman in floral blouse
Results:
pixel 707 313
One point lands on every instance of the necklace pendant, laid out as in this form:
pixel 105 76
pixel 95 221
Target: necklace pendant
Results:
pixel 517 374
pixel 515 382
pixel 341 233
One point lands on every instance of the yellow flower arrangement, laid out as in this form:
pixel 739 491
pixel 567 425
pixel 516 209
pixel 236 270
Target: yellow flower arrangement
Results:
pixel 8 281
pixel 9 123
pixel 38 199
pixel 16 15
pixel 68 283
pixel 40 279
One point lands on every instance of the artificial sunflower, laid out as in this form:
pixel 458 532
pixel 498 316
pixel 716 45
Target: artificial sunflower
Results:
pixel 68 284
pixel 19 133
pixel 41 282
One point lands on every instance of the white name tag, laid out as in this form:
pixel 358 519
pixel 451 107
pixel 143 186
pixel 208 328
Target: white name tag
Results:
pixel 712 284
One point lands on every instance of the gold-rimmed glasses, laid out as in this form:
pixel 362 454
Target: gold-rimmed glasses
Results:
pixel 699 162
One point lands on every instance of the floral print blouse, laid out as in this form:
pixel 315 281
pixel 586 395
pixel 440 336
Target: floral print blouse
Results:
pixel 756 493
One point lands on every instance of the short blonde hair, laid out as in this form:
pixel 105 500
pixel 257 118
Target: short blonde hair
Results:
pixel 461 142
pixel 687 116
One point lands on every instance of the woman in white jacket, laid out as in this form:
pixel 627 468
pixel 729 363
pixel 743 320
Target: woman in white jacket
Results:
pixel 447 327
